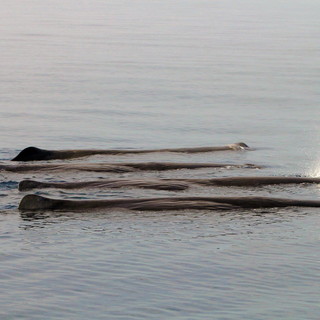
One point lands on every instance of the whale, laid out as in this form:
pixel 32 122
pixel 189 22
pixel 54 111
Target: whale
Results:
pixel 37 154
pixel 32 202
pixel 118 167
pixel 156 184
pixel 167 184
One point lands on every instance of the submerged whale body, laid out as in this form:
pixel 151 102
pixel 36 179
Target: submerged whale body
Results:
pixel 36 154
pixel 156 184
pixel 167 184
pixel 35 203
pixel 118 167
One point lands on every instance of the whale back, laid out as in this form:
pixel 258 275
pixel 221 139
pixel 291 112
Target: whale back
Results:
pixel 33 154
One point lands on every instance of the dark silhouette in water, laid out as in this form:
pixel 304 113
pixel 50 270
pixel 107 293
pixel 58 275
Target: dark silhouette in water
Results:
pixel 117 167
pixel 167 184
pixel 156 184
pixel 36 154
pixel 35 202
pixel 33 153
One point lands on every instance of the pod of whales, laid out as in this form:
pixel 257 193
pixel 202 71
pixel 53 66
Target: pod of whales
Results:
pixel 36 154
pixel 118 167
pixel 35 202
pixel 166 184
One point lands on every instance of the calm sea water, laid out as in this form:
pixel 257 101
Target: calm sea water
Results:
pixel 148 74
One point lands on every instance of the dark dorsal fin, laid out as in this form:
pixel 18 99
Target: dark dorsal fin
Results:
pixel 33 153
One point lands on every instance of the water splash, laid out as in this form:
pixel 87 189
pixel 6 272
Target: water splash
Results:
pixel 314 170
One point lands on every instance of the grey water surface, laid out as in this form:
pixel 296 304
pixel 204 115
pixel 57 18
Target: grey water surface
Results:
pixel 155 74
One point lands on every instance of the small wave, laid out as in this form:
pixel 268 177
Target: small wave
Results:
pixel 8 185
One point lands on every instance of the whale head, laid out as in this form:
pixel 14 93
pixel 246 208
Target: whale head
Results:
pixel 33 153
